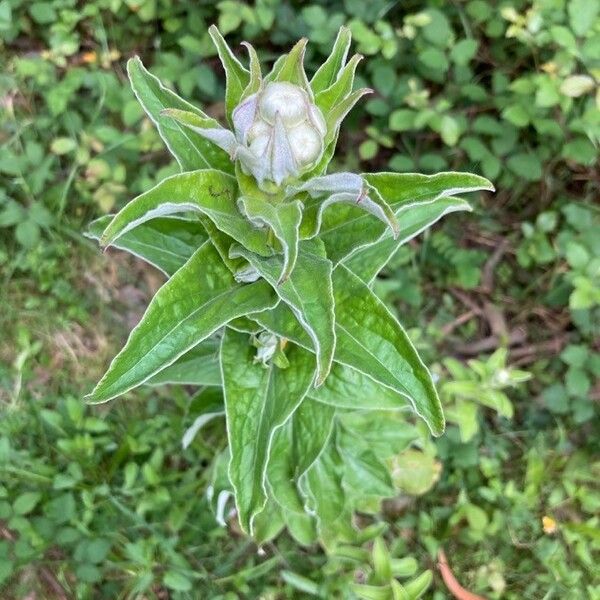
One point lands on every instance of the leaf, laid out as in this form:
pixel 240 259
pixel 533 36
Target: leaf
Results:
pixel 237 76
pixel 384 432
pixel 268 523
pixel 414 472
pixel 302 527
pixel 199 299
pixel 338 113
pixel 284 219
pixel 342 188
pixel 194 428
pixel 340 387
pixel 327 99
pixel 258 400
pixel 165 242
pixel 191 150
pixel 582 15
pixel 311 304
pixel 577 85
pixel 199 366
pixel 209 192
pixel 370 340
pixel 365 474
pixel 367 261
pixel 328 72
pixel 292 67
pixel 255 72
pixel 296 446
pixel 329 499
pixel 346 229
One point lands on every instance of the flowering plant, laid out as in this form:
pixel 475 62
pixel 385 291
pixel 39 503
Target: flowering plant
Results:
pixel 268 294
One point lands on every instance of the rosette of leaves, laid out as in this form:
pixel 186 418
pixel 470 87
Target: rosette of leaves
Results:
pixel 269 264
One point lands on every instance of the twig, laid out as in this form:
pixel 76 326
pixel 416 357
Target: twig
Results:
pixel 452 325
pixel 514 338
pixel 530 353
pixel 487 277
pixel 49 578
pixel 457 590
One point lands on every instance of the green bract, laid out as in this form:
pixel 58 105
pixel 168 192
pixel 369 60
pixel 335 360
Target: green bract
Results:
pixel 268 293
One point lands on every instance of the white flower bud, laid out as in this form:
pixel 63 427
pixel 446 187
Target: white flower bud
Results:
pixel 281 132
pixel 284 99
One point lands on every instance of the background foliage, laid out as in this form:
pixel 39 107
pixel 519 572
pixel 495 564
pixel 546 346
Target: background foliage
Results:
pixel 102 501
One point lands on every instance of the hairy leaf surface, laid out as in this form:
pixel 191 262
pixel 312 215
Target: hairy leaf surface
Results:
pixel 367 261
pixel 209 192
pixel 165 242
pixel 199 299
pixel 329 499
pixel 258 400
pixel 328 72
pixel 370 340
pixel 198 366
pixel 191 150
pixel 236 75
pixel 346 229
pixel 284 219
pixel 296 447
pixel 308 293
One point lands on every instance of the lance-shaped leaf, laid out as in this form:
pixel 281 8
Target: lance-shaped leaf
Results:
pixel 385 433
pixel 255 72
pixel 166 243
pixel 364 474
pixel 341 187
pixel 198 366
pixel 329 98
pixel 268 523
pixel 340 390
pixel 346 229
pixel 311 304
pixel 199 299
pixel 333 120
pixel 370 340
pixel 367 262
pixel 296 446
pixel 329 499
pixel 191 150
pixel 258 400
pixel 275 69
pixel 208 192
pixel 284 219
pixel 339 111
pixel 328 72
pixel 292 67
pixel 237 76
pixel 206 127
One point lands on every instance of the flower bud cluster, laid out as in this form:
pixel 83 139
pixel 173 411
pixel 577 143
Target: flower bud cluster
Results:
pixel 282 131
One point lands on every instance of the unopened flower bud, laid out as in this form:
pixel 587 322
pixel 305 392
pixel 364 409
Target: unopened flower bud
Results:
pixel 281 130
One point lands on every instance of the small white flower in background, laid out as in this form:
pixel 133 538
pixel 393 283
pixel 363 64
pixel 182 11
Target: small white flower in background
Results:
pixel 282 129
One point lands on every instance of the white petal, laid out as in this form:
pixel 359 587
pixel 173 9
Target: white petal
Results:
pixel 260 145
pixel 259 128
pixel 284 99
pixel 316 118
pixel 306 144
pixel 243 117
pixel 283 163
